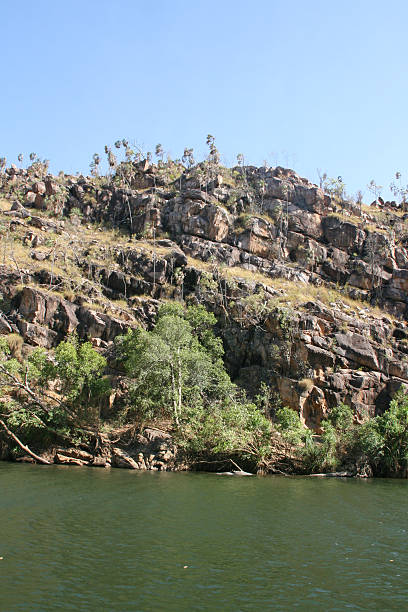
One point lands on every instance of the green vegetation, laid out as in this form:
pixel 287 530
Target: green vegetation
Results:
pixel 379 446
pixel 384 439
pixel 51 394
pixel 178 373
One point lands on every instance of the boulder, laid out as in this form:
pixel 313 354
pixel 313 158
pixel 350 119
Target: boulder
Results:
pixel 30 198
pixel 199 218
pixel 207 249
pixel 343 234
pixel 122 459
pixel 306 224
pixel 64 460
pixel 358 349
pixel 39 187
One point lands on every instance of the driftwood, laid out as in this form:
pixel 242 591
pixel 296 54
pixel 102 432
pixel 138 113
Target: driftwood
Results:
pixel 21 445
pixel 333 475
pixel 235 473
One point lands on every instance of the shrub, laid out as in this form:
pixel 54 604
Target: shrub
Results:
pixel 384 439
pixel 290 426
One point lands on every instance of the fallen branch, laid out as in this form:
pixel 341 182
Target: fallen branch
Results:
pixel 21 445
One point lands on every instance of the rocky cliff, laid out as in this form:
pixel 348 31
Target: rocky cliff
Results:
pixel 310 292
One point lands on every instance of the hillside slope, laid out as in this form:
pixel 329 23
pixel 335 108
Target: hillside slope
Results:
pixel 309 291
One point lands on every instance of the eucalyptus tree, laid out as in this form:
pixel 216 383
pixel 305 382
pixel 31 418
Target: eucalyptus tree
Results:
pixel 374 189
pixel 50 393
pixel 399 191
pixel 94 165
pixel 188 158
pixel 159 152
pixel 176 366
pixel 213 159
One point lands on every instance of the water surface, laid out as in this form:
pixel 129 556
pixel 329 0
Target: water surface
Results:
pixel 90 539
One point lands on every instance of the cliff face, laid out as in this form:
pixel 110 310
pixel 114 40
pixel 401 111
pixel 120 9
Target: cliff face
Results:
pixel 310 295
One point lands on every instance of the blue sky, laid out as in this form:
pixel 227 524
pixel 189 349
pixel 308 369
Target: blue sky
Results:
pixel 305 83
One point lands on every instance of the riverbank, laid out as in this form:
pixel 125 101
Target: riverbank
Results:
pixel 154 450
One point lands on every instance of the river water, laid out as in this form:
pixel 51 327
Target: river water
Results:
pixel 90 539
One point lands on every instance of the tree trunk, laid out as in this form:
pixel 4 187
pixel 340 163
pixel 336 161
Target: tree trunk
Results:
pixel 179 382
pixel 21 445
pixel 173 393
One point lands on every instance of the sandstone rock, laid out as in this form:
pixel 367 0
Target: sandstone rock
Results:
pixel 39 202
pixel 314 409
pixel 207 249
pixel 75 453
pixel 100 461
pixel 39 187
pixel 343 235
pixel 358 349
pixel 5 327
pixel 42 309
pixel 43 224
pixel 30 198
pixel 306 224
pixel 123 460
pixel 37 335
pixel 400 279
pixel 100 325
pixel 319 357
pixel 51 188
pixel 258 246
pixel 200 219
pixel 38 256
pixel 23 212
pixel 64 460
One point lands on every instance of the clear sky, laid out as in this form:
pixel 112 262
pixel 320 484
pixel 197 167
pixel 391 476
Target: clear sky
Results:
pixel 305 83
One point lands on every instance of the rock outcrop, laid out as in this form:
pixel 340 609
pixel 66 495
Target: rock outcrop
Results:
pixel 230 242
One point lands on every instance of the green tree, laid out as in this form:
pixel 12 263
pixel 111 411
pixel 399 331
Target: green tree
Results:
pixel 79 369
pixel 384 438
pixel 177 364
pixel 31 409
pixel 290 426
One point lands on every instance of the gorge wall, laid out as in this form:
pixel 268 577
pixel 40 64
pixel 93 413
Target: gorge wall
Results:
pixel 310 293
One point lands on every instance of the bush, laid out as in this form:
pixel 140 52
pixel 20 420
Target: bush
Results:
pixel 384 439
pixel 290 426
pixel 233 427
pixel 341 417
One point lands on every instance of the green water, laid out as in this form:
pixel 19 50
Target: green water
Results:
pixel 93 539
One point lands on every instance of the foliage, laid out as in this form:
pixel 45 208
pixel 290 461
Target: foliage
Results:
pixel 321 455
pixel 384 438
pixel 325 452
pixel 341 417
pixel 335 187
pixel 232 427
pixel 176 365
pixel 178 373
pixel 79 369
pixel 290 426
pixel 51 392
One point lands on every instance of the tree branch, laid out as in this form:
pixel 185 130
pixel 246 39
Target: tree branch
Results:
pixel 21 445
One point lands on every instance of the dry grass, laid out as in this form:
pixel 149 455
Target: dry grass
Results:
pixel 100 247
pixel 236 272
pixel 294 295
pixel 346 218
pixel 380 213
pixel 199 264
